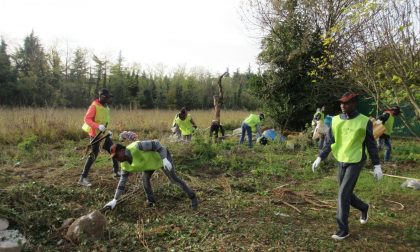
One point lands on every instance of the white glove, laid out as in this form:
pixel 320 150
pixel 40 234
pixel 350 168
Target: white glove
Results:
pixel 377 172
pixel 316 163
pixel 111 204
pixel 167 165
pixel 101 127
pixel 110 134
pixel 378 122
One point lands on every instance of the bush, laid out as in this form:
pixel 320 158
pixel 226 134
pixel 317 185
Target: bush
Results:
pixel 28 144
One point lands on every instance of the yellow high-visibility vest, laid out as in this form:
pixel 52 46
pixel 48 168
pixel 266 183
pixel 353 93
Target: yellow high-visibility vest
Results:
pixel 252 121
pixel 142 160
pixel 185 126
pixel 389 125
pixel 349 136
pixel 101 116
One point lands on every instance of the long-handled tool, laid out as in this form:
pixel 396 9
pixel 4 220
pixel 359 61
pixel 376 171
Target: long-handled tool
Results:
pixel 94 142
pixel 96 139
pixel 396 176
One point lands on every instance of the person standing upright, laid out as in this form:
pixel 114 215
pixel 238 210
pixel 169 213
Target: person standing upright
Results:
pixel 320 131
pixel 348 138
pixel 96 121
pixel 387 119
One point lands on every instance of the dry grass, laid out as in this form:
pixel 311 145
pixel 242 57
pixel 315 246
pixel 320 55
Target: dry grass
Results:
pixel 51 124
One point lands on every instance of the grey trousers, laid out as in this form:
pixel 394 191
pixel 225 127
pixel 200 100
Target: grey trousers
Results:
pixel 147 175
pixel 347 178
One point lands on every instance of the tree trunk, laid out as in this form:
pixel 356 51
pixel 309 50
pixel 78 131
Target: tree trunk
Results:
pixel 218 99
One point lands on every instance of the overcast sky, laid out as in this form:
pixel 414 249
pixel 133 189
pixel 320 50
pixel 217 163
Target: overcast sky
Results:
pixel 204 33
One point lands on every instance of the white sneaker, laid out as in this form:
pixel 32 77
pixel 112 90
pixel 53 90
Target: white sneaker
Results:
pixel 84 182
pixel 340 235
pixel 364 217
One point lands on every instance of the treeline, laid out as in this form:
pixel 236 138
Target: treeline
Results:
pixel 32 76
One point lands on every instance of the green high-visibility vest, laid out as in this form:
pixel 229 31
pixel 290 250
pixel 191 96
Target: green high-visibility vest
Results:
pixel 252 121
pixel 185 126
pixel 101 116
pixel 349 136
pixel 389 125
pixel 142 160
pixel 322 116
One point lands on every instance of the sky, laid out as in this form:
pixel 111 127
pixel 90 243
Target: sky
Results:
pixel 207 34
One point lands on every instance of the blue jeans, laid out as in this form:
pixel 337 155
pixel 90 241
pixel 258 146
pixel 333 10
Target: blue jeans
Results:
pixel 248 130
pixel 386 140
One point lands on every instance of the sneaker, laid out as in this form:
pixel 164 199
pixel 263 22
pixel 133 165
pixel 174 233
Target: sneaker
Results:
pixel 148 203
pixel 84 182
pixel 365 216
pixel 194 203
pixel 340 235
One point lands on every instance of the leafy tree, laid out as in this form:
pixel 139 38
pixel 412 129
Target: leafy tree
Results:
pixel 7 76
pixel 33 72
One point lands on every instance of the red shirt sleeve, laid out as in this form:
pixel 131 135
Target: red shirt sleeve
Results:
pixel 90 117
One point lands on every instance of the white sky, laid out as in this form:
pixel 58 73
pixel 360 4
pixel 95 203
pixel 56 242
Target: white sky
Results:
pixel 203 33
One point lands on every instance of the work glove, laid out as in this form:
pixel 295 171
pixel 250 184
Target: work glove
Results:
pixel 111 204
pixel 101 127
pixel 377 172
pixel 316 163
pixel 167 164
pixel 109 134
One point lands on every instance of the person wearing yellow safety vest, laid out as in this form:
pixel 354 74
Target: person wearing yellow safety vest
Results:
pixel 349 137
pixel 147 157
pixel 183 125
pixel 96 119
pixel 319 119
pixel 251 124
pixel 387 119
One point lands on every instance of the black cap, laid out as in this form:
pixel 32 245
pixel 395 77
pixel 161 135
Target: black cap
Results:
pixel 105 92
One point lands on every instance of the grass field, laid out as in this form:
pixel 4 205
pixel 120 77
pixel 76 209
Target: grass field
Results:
pixel 261 199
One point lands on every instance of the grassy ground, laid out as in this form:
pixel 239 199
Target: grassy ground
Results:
pixel 244 196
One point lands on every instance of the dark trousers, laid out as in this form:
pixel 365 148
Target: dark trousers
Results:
pixel 347 178
pixel 147 175
pixel 321 142
pixel 214 130
pixel 94 153
pixel 246 129
pixel 386 140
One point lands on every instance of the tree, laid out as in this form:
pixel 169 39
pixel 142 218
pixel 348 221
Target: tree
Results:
pixel 33 72
pixel 287 52
pixel 387 67
pixel 7 76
